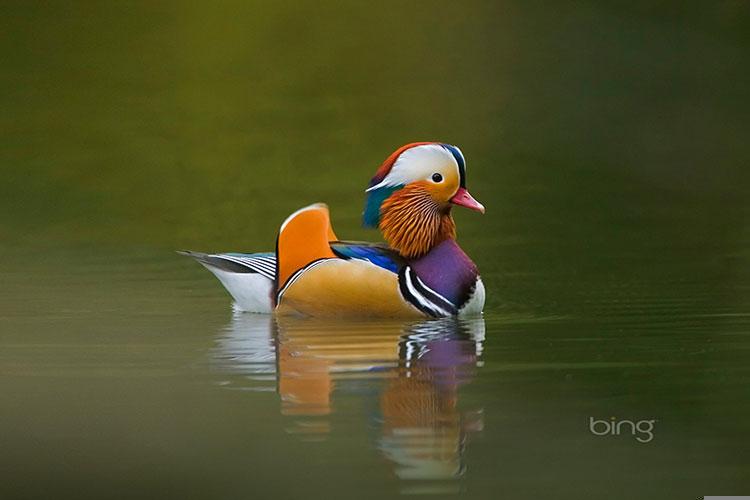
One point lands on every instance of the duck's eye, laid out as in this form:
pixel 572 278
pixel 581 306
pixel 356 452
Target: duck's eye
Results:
pixel 437 177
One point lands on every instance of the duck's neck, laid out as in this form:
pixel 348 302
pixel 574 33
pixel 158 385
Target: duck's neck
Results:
pixel 413 223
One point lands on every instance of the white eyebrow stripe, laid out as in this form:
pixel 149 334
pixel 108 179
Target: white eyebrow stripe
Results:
pixel 414 164
pixel 377 186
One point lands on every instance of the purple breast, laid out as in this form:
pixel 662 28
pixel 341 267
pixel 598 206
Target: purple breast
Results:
pixel 449 271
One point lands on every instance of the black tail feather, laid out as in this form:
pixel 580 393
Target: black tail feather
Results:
pixel 217 262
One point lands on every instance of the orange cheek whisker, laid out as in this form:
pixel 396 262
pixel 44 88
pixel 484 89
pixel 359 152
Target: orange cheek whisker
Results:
pixel 413 222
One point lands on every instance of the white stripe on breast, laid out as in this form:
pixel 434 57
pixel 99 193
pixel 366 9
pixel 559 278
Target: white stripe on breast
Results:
pixel 424 301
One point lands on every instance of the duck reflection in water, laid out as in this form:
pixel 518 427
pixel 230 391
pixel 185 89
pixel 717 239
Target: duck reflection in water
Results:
pixel 411 372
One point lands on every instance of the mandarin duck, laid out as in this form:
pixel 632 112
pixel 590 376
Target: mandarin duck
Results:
pixel 420 272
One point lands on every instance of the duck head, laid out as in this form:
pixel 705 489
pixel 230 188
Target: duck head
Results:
pixel 412 193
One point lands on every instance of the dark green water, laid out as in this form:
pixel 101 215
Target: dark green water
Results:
pixel 608 142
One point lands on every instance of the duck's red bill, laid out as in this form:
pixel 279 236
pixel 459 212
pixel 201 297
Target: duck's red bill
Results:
pixel 465 199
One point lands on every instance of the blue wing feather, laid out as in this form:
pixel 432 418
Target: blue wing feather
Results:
pixel 379 255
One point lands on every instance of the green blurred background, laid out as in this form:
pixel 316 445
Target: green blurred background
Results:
pixel 173 124
pixel 608 140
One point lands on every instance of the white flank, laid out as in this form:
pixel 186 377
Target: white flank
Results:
pixel 251 291
pixel 475 304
